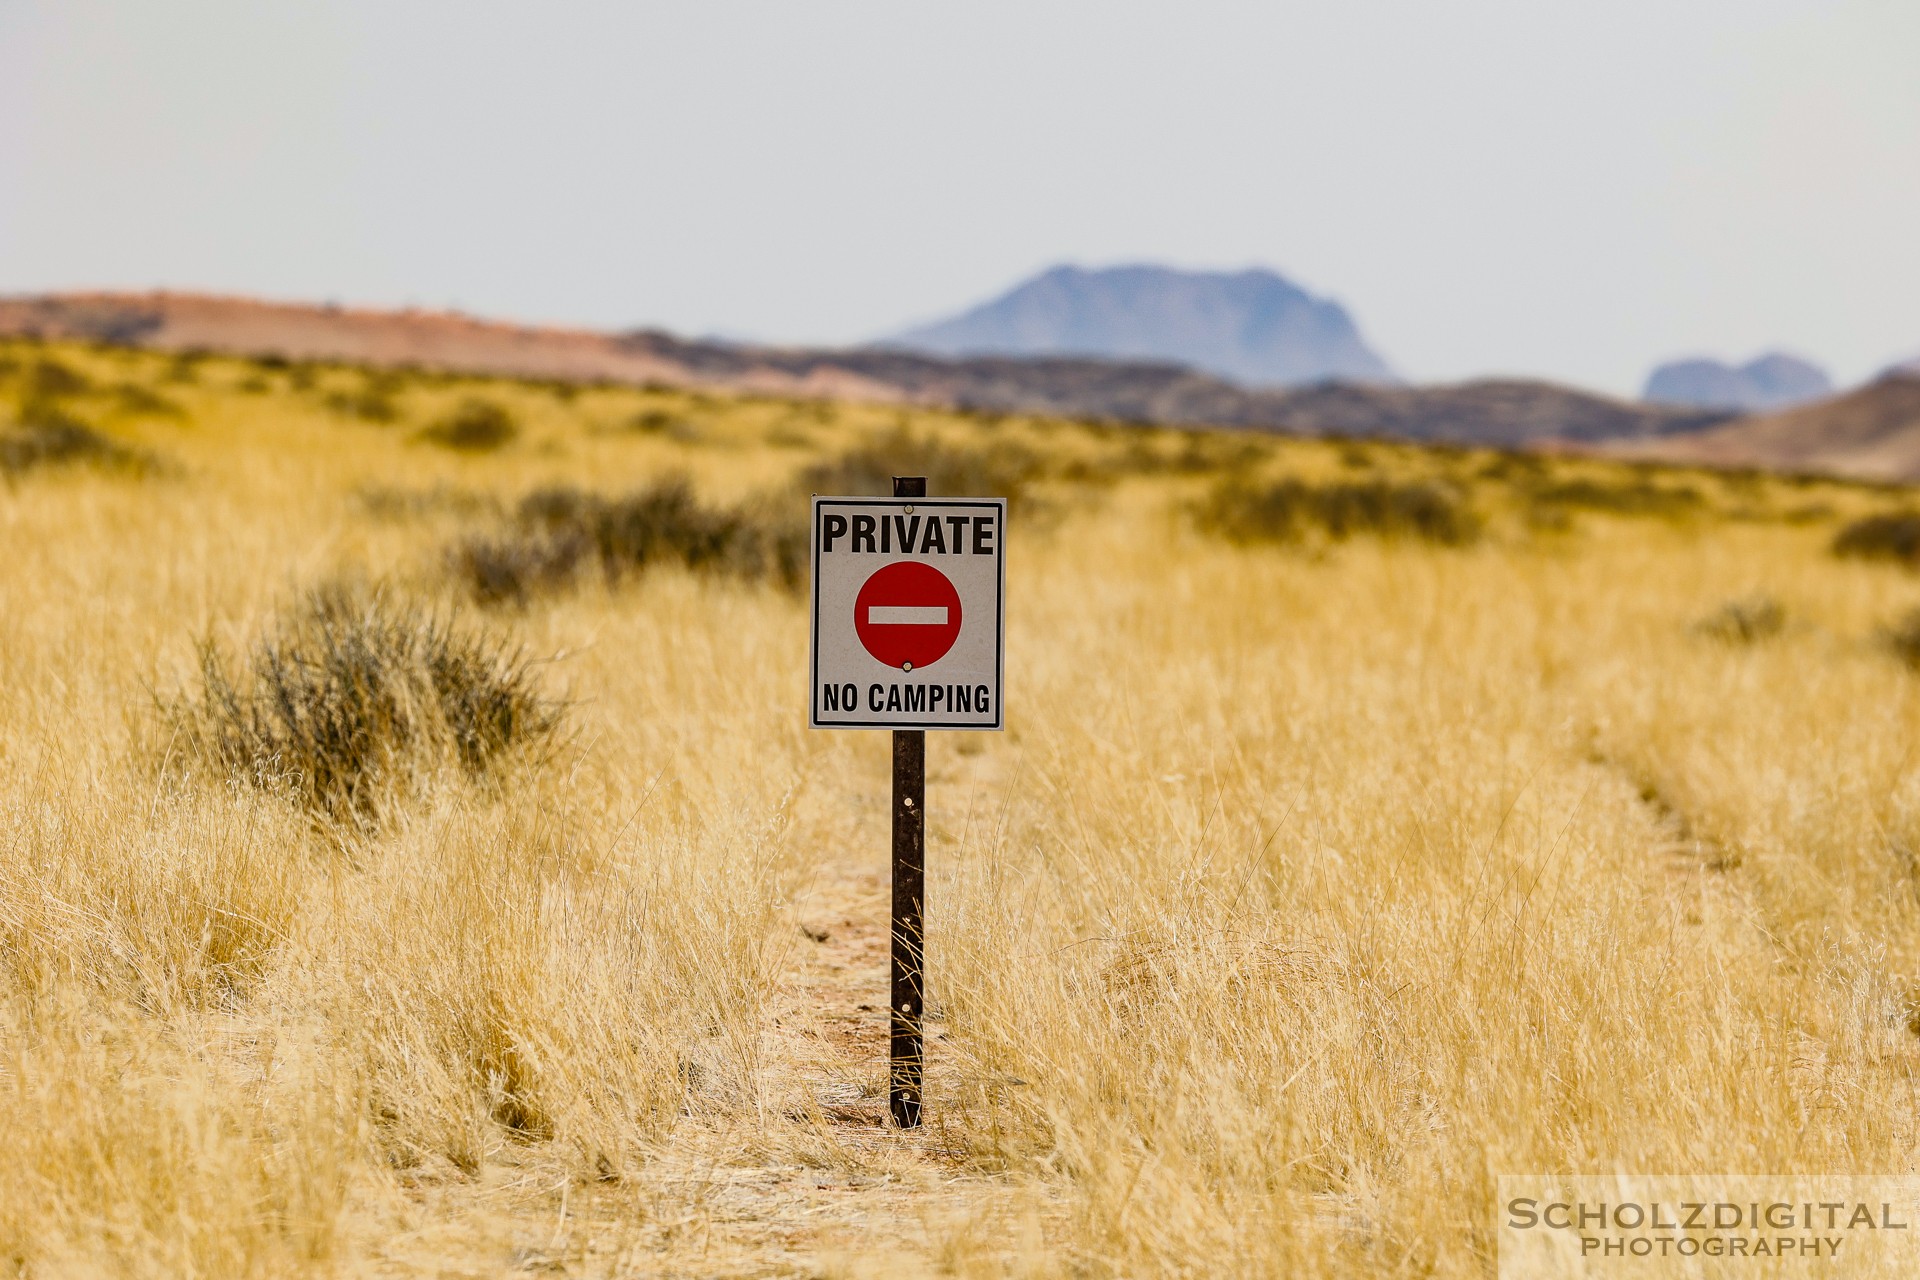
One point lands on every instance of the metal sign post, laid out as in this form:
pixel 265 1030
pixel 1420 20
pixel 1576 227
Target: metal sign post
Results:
pixel 908 986
pixel 908 635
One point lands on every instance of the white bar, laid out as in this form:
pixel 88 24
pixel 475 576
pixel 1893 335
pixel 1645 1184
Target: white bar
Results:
pixel 912 615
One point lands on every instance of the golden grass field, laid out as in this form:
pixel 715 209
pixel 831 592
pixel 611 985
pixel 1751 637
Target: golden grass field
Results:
pixel 1315 882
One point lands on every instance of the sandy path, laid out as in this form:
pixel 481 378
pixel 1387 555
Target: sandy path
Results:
pixel 825 1187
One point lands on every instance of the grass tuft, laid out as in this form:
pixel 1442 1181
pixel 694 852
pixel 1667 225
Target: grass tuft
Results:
pixel 184 367
pixel 1639 497
pixel 1290 510
pixel 367 404
pixel 137 401
pixel 657 422
pixel 49 378
pixel 558 532
pixel 1745 621
pixel 397 502
pixel 1893 535
pixel 1902 638
pixel 514 566
pixel 352 693
pixel 48 437
pixel 476 426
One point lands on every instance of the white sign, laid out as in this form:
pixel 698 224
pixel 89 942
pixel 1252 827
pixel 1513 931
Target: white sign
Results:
pixel 908 625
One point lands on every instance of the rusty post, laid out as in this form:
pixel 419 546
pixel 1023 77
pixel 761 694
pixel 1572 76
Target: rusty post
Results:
pixel 908 987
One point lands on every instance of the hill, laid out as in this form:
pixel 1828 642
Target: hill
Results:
pixel 1773 381
pixel 186 321
pixel 1496 412
pixel 1871 433
pixel 1252 327
pixel 1506 412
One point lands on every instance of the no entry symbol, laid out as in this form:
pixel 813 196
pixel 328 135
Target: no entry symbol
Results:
pixel 907 615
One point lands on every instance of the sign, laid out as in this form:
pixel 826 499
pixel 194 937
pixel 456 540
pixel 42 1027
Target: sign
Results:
pixel 908 626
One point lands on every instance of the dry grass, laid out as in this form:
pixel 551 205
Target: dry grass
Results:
pixel 1304 895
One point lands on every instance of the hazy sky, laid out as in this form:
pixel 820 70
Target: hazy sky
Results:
pixel 1573 190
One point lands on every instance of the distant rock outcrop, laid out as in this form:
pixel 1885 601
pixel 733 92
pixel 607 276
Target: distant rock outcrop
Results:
pixel 1250 326
pixel 1770 382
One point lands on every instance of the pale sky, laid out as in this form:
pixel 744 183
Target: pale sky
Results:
pixel 1572 190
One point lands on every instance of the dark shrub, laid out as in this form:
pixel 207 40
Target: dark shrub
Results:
pixel 1201 452
pixel 1893 535
pixel 133 399
pixel 475 427
pixel 394 502
pixel 374 400
pixel 49 438
pixel 368 405
pixel 1639 497
pixel 509 568
pixel 1902 637
pixel 665 522
pixel 656 422
pixel 185 366
pixel 1745 621
pixel 560 531
pixel 1518 467
pixel 49 378
pixel 354 694
pixel 1288 510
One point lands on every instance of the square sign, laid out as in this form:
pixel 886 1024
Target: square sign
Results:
pixel 908 619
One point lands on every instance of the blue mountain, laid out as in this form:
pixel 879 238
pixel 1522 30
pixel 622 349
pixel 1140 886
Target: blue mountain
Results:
pixel 1254 327
pixel 1772 381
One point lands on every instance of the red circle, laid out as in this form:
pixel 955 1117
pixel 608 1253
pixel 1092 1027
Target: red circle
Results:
pixel 911 640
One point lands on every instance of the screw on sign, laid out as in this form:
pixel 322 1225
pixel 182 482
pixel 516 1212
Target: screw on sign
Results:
pixel 907 615
pixel 908 635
